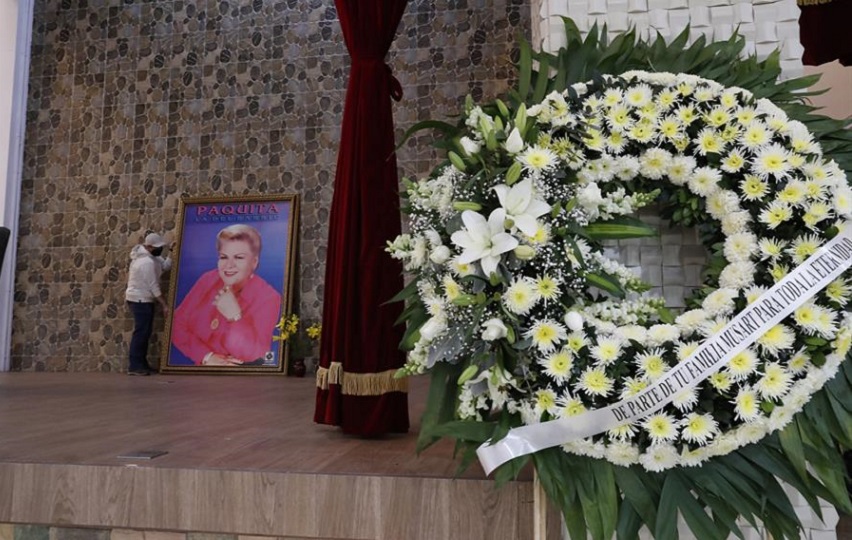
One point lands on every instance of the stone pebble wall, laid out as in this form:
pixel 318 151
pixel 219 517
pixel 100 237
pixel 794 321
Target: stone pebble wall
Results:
pixel 135 103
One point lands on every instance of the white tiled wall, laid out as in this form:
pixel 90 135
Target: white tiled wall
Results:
pixel 766 24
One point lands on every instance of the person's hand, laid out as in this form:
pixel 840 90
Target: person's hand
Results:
pixel 227 304
pixel 221 360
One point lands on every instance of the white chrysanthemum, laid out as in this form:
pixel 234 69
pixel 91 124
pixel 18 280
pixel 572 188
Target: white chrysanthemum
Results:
pixel 681 169
pixel 843 201
pixel 547 287
pixel 751 432
pixel 452 289
pixel 624 432
pixel 685 400
pixel 775 382
pixel 632 332
pixel 606 351
pixel 638 96
pixel 685 350
pixel 546 334
pixel 733 162
pixel 623 454
pixel 740 247
pixel 659 457
pixel 755 136
pixel 714 326
pixel 538 159
pixel 737 275
pixel 661 427
pixel 594 382
pixel 771 248
pixel 558 365
pixel 654 163
pixel 626 167
pixel 771 160
pixel 698 428
pixel 521 296
pixel 720 302
pixel 742 364
pixel 545 401
pixel 569 406
pixel 722 203
pixel 839 291
pixel 632 386
pixel 705 181
pixel 709 141
pixel 775 214
pixel 735 222
pixel 670 127
pixel 747 405
pixel 794 193
pixel 576 341
pixel 780 417
pixel 651 364
pixel 461 269
pixel 661 333
pixel 753 188
pixel 541 236
pixel 776 339
pixel 753 293
pixel 721 381
pixel 690 321
pixel 803 247
pixel 799 362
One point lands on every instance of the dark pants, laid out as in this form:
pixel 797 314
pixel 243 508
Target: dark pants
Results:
pixel 143 318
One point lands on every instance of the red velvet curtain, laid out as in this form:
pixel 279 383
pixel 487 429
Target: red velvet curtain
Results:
pixel 824 30
pixel 359 350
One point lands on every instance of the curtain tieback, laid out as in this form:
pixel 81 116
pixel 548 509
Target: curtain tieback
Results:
pixel 395 87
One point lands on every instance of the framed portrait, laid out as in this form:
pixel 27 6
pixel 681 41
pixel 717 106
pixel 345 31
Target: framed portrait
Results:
pixel 231 282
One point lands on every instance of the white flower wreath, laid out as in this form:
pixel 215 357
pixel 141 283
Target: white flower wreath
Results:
pixel 509 265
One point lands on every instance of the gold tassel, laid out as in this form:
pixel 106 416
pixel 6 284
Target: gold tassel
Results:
pixel 373 384
pixel 322 378
pixel 360 384
pixel 813 2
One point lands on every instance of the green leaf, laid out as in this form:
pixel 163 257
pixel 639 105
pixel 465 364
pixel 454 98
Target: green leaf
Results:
pixel 446 129
pixel 440 403
pixel 699 522
pixel 791 442
pixel 619 229
pixel 666 528
pixel 606 283
pixel 629 522
pixel 635 484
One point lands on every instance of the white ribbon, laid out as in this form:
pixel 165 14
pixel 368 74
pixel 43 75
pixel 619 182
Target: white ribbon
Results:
pixel 795 289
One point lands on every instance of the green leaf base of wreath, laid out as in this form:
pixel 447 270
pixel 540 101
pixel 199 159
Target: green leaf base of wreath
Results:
pixel 603 500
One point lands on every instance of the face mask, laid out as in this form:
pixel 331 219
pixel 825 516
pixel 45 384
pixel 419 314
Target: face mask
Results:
pixel 156 252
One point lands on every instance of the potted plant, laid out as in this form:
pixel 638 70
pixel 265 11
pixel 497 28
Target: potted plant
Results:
pixel 300 342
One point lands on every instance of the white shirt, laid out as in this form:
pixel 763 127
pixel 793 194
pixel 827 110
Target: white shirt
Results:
pixel 143 278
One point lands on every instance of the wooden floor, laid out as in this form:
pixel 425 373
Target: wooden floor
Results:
pixel 243 457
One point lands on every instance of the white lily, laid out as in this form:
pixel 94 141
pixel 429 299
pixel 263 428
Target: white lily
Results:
pixel 520 205
pixel 514 143
pixel 482 240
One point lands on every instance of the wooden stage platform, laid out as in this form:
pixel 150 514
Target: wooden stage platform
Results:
pixel 244 457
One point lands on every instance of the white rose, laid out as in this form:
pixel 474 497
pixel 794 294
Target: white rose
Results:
pixel 433 328
pixel 440 255
pixel 514 143
pixel 493 329
pixel 470 146
pixel 574 321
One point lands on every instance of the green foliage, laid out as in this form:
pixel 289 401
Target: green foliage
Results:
pixel 597 498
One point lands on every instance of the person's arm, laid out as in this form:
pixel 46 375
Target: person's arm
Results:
pixel 250 337
pixel 185 323
pixel 151 281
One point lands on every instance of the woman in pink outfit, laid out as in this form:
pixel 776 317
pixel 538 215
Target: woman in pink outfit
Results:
pixel 229 315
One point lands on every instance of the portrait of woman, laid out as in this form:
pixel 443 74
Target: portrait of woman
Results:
pixel 229 315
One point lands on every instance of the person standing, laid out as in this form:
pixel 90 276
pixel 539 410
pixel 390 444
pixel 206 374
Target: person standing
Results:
pixel 143 291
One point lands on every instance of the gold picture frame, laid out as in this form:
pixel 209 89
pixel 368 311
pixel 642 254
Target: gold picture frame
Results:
pixel 232 279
